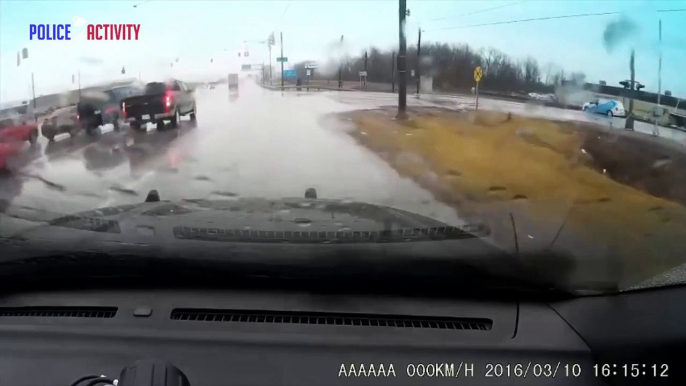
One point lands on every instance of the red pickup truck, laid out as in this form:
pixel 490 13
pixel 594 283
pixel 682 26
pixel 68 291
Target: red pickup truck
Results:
pixel 13 133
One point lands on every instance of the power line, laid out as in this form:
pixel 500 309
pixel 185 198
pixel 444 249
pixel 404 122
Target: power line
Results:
pixel 284 12
pixel 549 18
pixel 479 11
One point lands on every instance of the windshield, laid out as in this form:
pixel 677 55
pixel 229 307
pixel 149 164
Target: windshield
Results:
pixel 570 148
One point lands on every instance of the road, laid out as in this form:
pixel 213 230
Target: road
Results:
pixel 261 144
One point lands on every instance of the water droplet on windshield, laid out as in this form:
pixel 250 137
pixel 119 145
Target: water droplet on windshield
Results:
pixel 284 211
pixel 246 228
pixel 305 204
pixel 302 221
pixel 344 229
pixel 305 225
pixel 346 201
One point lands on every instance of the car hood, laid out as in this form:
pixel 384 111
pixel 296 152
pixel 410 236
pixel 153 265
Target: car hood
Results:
pixel 302 235
pixel 320 232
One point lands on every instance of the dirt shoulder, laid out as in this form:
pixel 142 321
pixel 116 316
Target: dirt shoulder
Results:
pixel 620 194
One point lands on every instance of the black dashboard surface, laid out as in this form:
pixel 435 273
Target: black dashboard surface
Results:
pixel 53 338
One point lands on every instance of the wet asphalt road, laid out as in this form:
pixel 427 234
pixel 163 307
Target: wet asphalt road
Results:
pixel 262 143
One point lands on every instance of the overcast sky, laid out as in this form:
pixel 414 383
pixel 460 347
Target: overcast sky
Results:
pixel 197 31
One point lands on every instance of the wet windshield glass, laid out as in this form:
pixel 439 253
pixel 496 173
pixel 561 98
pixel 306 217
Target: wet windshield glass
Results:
pixel 553 132
pixel 155 88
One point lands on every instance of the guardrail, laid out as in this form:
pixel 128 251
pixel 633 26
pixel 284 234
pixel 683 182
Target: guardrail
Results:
pixel 304 87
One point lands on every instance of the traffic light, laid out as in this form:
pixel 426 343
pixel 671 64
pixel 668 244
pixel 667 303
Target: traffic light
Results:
pixel 123 70
pixel 639 86
pixel 625 83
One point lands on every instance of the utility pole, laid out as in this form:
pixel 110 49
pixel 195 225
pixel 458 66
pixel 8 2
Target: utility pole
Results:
pixel 365 69
pixel 402 58
pixel 659 81
pixel 270 66
pixel 419 50
pixel 340 67
pixel 393 72
pixel 281 60
pixel 79 85
pixel 633 81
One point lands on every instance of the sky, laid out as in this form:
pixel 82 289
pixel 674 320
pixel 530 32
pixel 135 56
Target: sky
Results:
pixel 198 31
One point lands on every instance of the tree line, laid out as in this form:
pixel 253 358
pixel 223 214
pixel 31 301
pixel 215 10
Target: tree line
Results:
pixel 452 68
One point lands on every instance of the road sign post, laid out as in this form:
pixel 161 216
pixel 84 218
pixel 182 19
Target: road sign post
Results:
pixel 363 79
pixel 282 61
pixel 478 74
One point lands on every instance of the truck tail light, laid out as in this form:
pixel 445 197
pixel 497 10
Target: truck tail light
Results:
pixel 123 110
pixel 168 99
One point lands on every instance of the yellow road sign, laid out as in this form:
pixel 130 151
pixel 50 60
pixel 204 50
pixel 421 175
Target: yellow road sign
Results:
pixel 478 73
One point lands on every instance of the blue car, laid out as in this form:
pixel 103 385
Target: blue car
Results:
pixel 609 107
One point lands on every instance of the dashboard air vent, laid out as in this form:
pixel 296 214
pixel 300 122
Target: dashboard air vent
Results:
pixel 331 319
pixel 58 312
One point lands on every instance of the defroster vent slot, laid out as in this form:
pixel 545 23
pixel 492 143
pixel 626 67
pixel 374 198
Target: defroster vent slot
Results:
pixel 58 312
pixel 331 319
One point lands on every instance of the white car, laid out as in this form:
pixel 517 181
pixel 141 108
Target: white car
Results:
pixel 609 107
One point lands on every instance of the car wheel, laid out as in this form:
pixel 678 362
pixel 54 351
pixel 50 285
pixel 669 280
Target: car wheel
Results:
pixel 609 114
pixel 584 108
pixel 33 137
pixel 161 125
pixel 50 137
pixel 193 117
pixel 175 119
pixel 116 124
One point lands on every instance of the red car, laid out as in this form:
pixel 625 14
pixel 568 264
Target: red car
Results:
pixel 19 130
pixel 13 133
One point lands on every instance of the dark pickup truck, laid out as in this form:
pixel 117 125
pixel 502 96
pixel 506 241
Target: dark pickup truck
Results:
pixel 160 102
pixel 98 108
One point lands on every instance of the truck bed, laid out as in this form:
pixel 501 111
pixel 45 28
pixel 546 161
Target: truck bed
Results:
pixel 140 105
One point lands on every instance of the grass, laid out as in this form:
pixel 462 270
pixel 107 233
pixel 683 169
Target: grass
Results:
pixel 485 160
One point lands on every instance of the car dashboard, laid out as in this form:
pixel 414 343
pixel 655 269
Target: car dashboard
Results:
pixel 294 337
